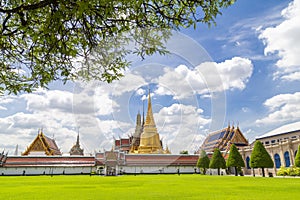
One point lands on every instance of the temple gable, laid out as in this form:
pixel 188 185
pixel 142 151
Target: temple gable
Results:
pixel 223 139
pixel 42 145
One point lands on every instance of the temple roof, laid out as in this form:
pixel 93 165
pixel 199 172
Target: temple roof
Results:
pixel 147 159
pixel 43 143
pixel 40 161
pixel 223 139
pixel 293 127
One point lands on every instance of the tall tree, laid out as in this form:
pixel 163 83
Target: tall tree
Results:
pixel 260 158
pixel 203 161
pixel 46 40
pixel 297 158
pixel 217 161
pixel 235 159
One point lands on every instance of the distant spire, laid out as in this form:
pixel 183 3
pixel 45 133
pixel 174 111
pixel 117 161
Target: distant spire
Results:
pixel 17 151
pixel 138 119
pixel 143 122
pixel 77 142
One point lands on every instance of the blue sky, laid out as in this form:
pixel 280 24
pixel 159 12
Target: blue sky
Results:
pixel 244 70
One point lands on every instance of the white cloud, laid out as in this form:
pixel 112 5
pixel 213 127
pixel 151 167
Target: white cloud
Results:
pixel 130 82
pixel 140 92
pixel 54 99
pixel 183 82
pixel 284 40
pixel 235 73
pixel 3 108
pixel 282 108
pixel 5 101
pixel 181 126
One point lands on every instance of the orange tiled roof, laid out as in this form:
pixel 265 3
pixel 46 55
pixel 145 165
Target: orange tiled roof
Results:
pixel 34 161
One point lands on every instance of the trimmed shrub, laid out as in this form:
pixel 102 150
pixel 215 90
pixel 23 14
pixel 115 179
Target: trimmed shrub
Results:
pixel 289 171
pixel 260 158
pixel 203 162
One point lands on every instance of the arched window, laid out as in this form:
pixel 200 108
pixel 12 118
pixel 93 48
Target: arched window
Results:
pixel 277 160
pixel 287 159
pixel 248 162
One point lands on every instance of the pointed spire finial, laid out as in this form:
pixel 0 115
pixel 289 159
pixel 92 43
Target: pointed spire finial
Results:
pixel 149 117
pixel 77 142
pixel 143 122
pixel 17 150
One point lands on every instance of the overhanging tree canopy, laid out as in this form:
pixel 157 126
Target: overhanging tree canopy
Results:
pixel 40 41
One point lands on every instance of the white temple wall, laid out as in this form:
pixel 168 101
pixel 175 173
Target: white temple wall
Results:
pixel 45 170
pixel 157 169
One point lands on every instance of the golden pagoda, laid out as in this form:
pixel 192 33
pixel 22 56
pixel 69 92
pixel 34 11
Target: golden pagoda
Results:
pixel 149 140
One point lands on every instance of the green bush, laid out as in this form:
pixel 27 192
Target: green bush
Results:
pixel 289 171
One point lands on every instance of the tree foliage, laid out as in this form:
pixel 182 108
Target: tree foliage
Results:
pixel 235 159
pixel 260 158
pixel 46 40
pixel 203 161
pixel 297 158
pixel 184 152
pixel 217 161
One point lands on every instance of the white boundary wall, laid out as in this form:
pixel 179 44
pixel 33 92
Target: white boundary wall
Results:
pixel 53 170
pixel 157 169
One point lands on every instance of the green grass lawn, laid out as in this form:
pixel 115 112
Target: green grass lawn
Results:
pixel 148 187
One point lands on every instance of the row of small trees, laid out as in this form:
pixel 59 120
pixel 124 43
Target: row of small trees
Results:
pixel 260 158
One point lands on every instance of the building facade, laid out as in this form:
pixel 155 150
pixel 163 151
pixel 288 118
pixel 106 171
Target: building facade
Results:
pixel 282 145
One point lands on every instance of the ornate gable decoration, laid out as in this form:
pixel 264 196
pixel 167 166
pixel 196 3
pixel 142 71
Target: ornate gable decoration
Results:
pixel 223 139
pixel 42 144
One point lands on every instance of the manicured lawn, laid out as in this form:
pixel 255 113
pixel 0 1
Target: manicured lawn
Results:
pixel 148 187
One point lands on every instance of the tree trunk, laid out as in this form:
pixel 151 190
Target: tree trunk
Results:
pixel 235 171
pixel 219 171
pixel 263 171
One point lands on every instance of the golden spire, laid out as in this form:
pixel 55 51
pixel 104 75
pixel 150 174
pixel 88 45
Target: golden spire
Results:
pixel 150 142
pixel 149 117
